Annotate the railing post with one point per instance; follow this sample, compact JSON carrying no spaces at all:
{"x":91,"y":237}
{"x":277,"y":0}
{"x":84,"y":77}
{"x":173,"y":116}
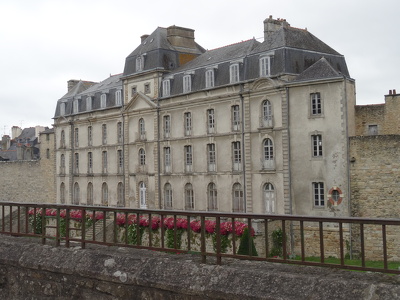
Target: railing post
{"x":11,"y":219}
{"x":67,"y":212}
{"x":250,"y":238}
{"x":321,"y":241}
{"x":83,"y":233}
{"x":284,"y":239}
{"x":303,"y":258}
{"x":19,"y":219}
{"x":341,"y":243}
{"x":43,"y":225}
{"x":218,"y":235}
{"x":266,"y":241}
{"x":385,"y":262}
{"x":362,"y":245}
{"x":233,"y":236}
{"x":203,"y":240}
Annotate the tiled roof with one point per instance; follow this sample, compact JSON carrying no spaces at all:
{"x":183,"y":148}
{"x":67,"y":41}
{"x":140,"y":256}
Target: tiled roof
{"x":320,"y":70}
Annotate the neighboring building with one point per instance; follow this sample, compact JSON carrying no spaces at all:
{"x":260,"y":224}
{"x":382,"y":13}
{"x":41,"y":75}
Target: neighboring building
{"x":258,"y":127}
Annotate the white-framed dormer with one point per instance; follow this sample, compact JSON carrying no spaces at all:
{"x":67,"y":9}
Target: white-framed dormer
{"x":210,"y":76}
{"x":265,"y":64}
{"x":166,"y":86}
{"x":75,"y":106}
{"x":118,"y":97}
{"x":103,"y":100}
{"x":88,"y":103}
{"x":234,"y":74}
{"x":187,"y":81}
{"x":140,"y":62}
{"x":62,"y":108}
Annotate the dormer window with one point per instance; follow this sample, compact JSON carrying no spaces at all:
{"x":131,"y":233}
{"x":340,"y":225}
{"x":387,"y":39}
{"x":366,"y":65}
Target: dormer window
{"x":139,"y":63}
{"x":89,"y":103}
{"x":75,"y":106}
{"x":234,"y":73}
{"x":103,"y":101}
{"x":62,"y":109}
{"x":265,"y":66}
{"x":210,"y":78}
{"x":118,"y":98}
{"x":187,"y":83}
{"x":166,"y":85}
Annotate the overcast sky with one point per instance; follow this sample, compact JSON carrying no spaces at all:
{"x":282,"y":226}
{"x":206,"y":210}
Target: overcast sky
{"x":44,"y":43}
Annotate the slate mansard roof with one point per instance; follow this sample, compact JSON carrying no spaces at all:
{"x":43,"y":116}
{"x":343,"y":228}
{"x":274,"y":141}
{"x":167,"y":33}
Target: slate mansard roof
{"x":83,"y":90}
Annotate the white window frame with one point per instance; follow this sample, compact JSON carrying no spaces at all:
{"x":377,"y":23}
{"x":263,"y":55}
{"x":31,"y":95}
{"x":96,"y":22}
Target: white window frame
{"x":62,"y":164}
{"x":142,"y":129}
{"x":269,"y":197}
{"x":62,"y":193}
{"x":76,"y":137}
{"x":120,"y":158}
{"x":235,"y":117}
{"x":265,"y":66}
{"x":103,"y":101}
{"x":238,"y":198}
{"x":76,"y":163}
{"x":187,"y":123}
{"x":316,"y":140}
{"x":318,"y":192}
{"x":76,"y":195}
{"x":142,"y":195}
{"x":189,"y":197}
{"x":209,"y":78}
{"x":210,"y":121}
{"x":89,"y":194}
{"x":104,"y":162}
{"x":142,"y":157}
{"x":90,"y":135}
{"x":236,"y":156}
{"x":104,"y":194}
{"x":62,"y":108}
{"x":234,"y":73}
{"x":167,"y":126}
{"x":75,"y":106}
{"x":119,"y":132}
{"x":89,"y":103}
{"x":62,"y":139}
{"x":168,"y":196}
{"x":139,"y":63}
{"x":120,"y":194}
{"x":188,"y":158}
{"x":90,"y":162}
{"x":212,"y":199}
{"x":187,"y":83}
{"x":211,"y":157}
{"x":166,"y":88}
{"x":315,"y":104}
{"x":118,"y":98}
{"x":167,"y":159}
{"x":266,"y":114}
{"x":104,"y":134}
{"x":268,"y":154}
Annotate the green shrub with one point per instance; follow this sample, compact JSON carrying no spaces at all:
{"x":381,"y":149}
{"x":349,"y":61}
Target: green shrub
{"x":244,"y":244}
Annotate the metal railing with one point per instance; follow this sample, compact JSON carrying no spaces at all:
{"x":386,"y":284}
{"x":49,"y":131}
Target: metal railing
{"x":347,"y":243}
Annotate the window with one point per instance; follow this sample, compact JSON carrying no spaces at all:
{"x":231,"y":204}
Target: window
{"x":120,"y":194}
{"x":90,"y":162}
{"x":62,"y":193}
{"x":76,"y":137}
{"x":62,"y":139}
{"x":372,"y":129}
{"x":234,"y":73}
{"x":235,"y":118}
{"x":76,"y":196}
{"x":118,"y":98}
{"x":104,"y":194}
{"x":139,"y":63}
{"x":266,"y":114}
{"x":142,"y":195}
{"x":211,"y":157}
{"x":209,"y":78}
{"x":317,"y":145}
{"x":119,"y":132}
{"x":265,"y":66}
{"x":142,"y":157}
{"x":142,"y":129}
{"x":120,"y":161}
{"x":89,"y":199}
{"x":167,"y":159}
{"x":134,"y":90}
{"x":212,"y":196}
{"x":238,"y":201}
{"x":47,"y":137}
{"x":316,"y":105}
{"x":187,"y":83}
{"x":75,"y":106}
{"x":103,"y":101}
{"x":48,"y":153}
{"x":104,"y":134}
{"x":62,"y":109}
{"x":189,"y":200}
{"x":167,"y":126}
{"x":188,"y":123}
{"x":167,"y":196}
{"x":89,"y":103}
{"x":268,"y":149}
{"x":90,"y":135}
{"x":210,"y":121}
{"x":269,"y":198}
{"x":62,"y":164}
{"x":188,"y":158}
{"x":166,"y":84}
{"x":318,"y":193}
{"x":76,"y":165}
{"x":237,"y":156}
{"x":104,"y":162}
{"x":147,"y":88}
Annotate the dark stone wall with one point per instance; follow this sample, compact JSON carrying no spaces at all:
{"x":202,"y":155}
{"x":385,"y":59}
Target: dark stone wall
{"x":29,"y":270}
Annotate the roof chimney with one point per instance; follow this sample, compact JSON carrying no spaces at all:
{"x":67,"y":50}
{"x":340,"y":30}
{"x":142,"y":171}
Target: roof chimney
{"x":143,"y":37}
{"x":390,"y":92}
{"x":181,"y":37}
{"x":72,"y":83}
{"x":394,"y":92}
{"x":271,"y":25}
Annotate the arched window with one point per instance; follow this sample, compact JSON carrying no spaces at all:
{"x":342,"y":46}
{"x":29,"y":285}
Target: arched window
{"x":266,"y":114}
{"x":142,"y":157}
{"x":142,"y":195}
{"x":167,"y":195}
{"x":142,"y":129}
{"x":62,"y":193}
{"x":76,"y":198}
{"x":89,"y":199}
{"x":238,"y":201}
{"x":269,"y":198}
{"x":62,"y":139}
{"x":268,"y":151}
{"x":212,"y":196}
{"x":189,"y":199}
{"x":120,"y":191}
{"x":62,"y":164}
{"x":104,"y":194}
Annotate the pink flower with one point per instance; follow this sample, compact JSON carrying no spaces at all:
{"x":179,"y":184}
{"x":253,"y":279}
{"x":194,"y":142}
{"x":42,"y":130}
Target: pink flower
{"x":195,"y":225}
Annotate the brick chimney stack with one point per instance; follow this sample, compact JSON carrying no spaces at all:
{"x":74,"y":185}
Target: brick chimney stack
{"x":181,"y":37}
{"x":72,"y":83}
{"x":271,"y":25}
